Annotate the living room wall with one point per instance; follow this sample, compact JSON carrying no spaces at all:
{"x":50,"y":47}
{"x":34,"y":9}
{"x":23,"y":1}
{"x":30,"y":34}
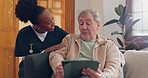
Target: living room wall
{"x":109,"y":13}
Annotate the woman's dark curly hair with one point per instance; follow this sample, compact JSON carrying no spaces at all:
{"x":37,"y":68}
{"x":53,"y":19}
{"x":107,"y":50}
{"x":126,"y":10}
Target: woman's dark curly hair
{"x":27,"y":10}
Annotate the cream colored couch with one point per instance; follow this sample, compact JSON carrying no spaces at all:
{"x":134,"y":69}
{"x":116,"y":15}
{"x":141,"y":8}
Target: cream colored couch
{"x":136,"y":64}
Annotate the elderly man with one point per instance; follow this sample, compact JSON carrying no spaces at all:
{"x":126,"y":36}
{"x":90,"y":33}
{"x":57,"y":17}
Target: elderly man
{"x":88,"y":45}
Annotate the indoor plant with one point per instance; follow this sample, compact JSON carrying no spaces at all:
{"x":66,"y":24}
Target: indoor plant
{"x":125,"y":22}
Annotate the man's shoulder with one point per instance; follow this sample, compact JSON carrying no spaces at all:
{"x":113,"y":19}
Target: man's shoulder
{"x":74,"y":35}
{"x":107,"y":41}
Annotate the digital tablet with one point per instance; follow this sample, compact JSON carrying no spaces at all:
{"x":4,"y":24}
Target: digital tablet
{"x":73,"y":68}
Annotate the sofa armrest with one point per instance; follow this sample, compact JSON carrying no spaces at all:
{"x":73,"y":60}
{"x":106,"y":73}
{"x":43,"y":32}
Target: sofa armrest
{"x":37,"y":66}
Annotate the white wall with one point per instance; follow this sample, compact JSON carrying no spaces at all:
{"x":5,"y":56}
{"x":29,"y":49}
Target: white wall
{"x":109,"y":13}
{"x":88,"y":4}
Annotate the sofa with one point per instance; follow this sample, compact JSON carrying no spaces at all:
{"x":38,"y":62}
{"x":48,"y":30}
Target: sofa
{"x":37,"y":66}
{"x":136,"y":62}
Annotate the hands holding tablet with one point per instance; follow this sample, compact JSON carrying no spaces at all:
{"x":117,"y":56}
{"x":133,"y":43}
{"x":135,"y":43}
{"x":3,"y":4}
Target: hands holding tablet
{"x":92,"y":74}
{"x":86,"y":71}
{"x":59,"y":70}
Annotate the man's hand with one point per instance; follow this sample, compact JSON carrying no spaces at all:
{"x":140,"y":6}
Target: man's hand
{"x":91,"y":73}
{"x":59,"y":70}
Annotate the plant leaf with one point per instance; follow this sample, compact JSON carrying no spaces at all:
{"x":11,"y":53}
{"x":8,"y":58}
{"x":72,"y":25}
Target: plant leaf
{"x":128,"y":29}
{"x":124,"y":10}
{"x":120,"y":25}
{"x":132,"y":43}
{"x":115,"y":33}
{"x":111,"y":22}
{"x":129,"y":25}
{"x":134,"y":39}
{"x":127,"y":18}
{"x":131,"y":46}
{"x":143,"y":46}
{"x":116,"y":10}
{"x":126,"y":25}
{"x":120,"y":9}
{"x":124,"y":18}
{"x":127,"y":34}
{"x":120,"y":42}
{"x":132,"y":23}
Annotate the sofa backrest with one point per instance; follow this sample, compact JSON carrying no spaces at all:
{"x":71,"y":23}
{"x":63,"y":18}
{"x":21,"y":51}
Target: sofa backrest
{"x":136,"y":64}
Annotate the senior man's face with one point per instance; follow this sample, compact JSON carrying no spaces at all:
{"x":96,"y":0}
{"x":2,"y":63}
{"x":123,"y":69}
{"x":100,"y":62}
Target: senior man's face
{"x":88,"y":27}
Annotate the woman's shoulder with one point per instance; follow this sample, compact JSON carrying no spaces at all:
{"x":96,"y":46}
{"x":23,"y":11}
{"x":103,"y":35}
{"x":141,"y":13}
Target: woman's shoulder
{"x":57,"y":27}
{"x":26,"y":28}
{"x":59,"y":30}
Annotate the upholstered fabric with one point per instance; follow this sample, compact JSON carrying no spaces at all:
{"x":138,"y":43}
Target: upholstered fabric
{"x":136,"y":64}
{"x":37,"y":66}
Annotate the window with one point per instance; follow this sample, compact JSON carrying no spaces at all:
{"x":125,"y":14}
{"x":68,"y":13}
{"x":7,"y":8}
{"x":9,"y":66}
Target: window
{"x":139,"y":10}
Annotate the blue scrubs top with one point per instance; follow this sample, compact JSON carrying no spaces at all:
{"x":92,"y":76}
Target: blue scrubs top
{"x":27,"y":37}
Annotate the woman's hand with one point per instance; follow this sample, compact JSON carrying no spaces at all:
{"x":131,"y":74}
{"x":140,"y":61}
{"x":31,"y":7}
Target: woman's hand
{"x":91,"y":73}
{"x":59,"y":70}
{"x":55,"y":47}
